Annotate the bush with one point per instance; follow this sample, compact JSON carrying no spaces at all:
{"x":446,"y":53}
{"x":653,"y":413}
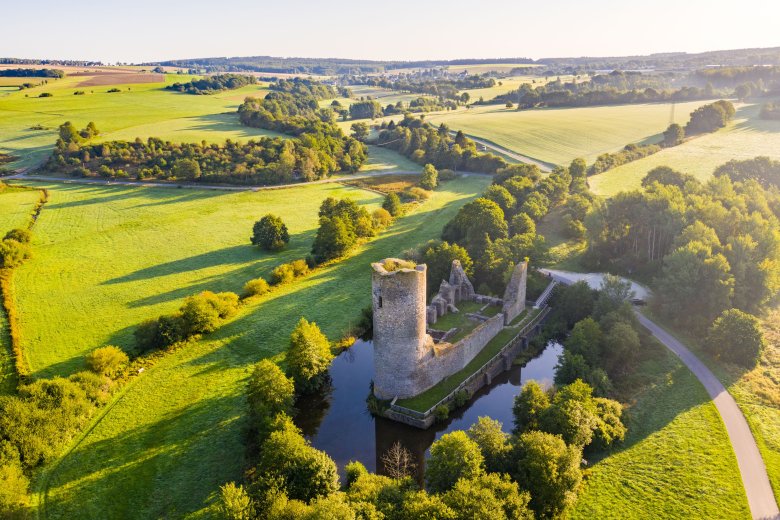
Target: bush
{"x":392,"y":204}
{"x":430,"y":177}
{"x":13,"y":253}
{"x":334,"y":239}
{"x":23,"y":236}
{"x":45,"y":94}
{"x":107,"y":361}
{"x":446,"y":175}
{"x":270,"y":393}
{"x":235,"y":503}
{"x":270,"y":233}
{"x":381,"y":218}
{"x":441,"y":413}
{"x":453,"y":456}
{"x":416,"y":194}
{"x":299,"y":267}
{"x":256,"y":287}
{"x":736,"y":336}
{"x":308,"y":356}
{"x":282,"y":274}
{"x":460,"y":398}
{"x":112,"y":90}
{"x":203,"y":313}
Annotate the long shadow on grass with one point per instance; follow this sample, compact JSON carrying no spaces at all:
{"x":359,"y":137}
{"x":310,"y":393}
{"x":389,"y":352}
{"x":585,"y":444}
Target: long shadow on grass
{"x":171,"y":466}
{"x":103,"y":194}
{"x":226,"y":256}
{"x":146,"y":472}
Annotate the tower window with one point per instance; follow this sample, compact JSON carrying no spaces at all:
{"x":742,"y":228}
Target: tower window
{"x":379,"y":303}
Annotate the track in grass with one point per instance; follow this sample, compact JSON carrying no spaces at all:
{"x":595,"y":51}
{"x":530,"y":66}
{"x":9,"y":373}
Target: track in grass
{"x":181,"y":422}
{"x":561,"y":134}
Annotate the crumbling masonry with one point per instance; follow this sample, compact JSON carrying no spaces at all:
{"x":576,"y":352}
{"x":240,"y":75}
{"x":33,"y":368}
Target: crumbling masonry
{"x":407,"y":359}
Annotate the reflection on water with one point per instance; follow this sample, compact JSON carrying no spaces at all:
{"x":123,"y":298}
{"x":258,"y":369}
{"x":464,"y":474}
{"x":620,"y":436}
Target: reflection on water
{"x":338,"y":422}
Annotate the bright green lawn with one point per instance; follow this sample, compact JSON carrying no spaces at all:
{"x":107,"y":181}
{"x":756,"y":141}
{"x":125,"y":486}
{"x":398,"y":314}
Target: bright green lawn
{"x":125,"y":115}
{"x":176,"y":434}
{"x":106,"y":258}
{"x":558,"y":135}
{"x":746,"y":137}
{"x":677,"y":461}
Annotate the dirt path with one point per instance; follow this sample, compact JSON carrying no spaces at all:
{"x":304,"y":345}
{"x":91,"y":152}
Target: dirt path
{"x":759,"y":493}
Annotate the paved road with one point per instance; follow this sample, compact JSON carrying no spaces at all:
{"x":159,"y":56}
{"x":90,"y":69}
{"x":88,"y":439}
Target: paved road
{"x":751,"y":466}
{"x":545,"y":167}
{"x":113,"y":182}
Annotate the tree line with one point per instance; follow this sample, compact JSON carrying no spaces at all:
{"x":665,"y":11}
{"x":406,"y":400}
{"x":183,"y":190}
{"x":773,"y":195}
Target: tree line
{"x":32,"y":73}
{"x":213,"y":84}
{"x":709,"y":246}
{"x":309,"y":88}
{"x":426,"y":144}
{"x":444,"y":87}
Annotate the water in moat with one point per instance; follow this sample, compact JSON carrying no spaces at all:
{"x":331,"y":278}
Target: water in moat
{"x":338,"y":422}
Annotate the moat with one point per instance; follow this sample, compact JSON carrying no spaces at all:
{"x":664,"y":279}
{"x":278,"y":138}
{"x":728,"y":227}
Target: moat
{"x":339,"y":423}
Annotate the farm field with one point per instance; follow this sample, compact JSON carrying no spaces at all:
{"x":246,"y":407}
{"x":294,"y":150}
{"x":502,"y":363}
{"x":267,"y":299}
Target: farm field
{"x":384,"y":96}
{"x":747,"y":136}
{"x":182,"y":421}
{"x":106,"y":258}
{"x":559,"y":135}
{"x":512,"y":83}
{"x":143,"y":105}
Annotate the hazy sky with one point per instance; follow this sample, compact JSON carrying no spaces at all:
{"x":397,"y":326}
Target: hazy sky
{"x":152,"y":30}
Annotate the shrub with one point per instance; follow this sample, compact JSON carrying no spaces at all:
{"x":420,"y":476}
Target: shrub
{"x":416,"y":194}
{"x":256,"y":287}
{"x":460,"y":398}
{"x":441,"y":413}
{"x":270,"y":393}
{"x":270,"y":233}
{"x":430,"y":177}
{"x":107,"y":361}
{"x":235,"y":503}
{"x":446,"y":175}
{"x":45,"y":94}
{"x":22,"y":236}
{"x":453,"y":456}
{"x":308,"y":356}
{"x":334,"y":239}
{"x":203,"y":312}
{"x":112,"y":90}
{"x":736,"y":336}
{"x":381,"y":218}
{"x":282,"y":274}
{"x":299,"y":267}
{"x":392,"y":204}
{"x":13,"y":253}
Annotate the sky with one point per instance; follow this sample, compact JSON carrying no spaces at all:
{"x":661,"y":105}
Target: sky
{"x":144,"y":30}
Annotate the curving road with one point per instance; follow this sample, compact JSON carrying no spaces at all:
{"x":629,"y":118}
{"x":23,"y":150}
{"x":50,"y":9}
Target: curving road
{"x":545,"y":167}
{"x":761,"y":499}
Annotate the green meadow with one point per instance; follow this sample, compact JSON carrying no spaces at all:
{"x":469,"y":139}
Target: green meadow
{"x":140,"y":110}
{"x":676,"y":461}
{"x":558,"y":135}
{"x":106,"y":258}
{"x":175,"y":433}
{"x":746,"y":137}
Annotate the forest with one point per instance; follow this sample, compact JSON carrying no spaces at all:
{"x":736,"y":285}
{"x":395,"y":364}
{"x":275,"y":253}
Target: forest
{"x":213,"y":84}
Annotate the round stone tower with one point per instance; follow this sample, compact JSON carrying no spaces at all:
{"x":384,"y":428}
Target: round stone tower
{"x":400,"y":338}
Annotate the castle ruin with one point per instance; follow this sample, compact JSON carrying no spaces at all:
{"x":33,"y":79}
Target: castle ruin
{"x":410,"y":354}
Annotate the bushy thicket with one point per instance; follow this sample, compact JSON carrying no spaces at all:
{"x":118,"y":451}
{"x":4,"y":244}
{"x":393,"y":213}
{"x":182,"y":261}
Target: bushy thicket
{"x":213,"y":84}
{"x":309,"y":88}
{"x":342,"y":223}
{"x":710,"y":246}
{"x":710,"y":117}
{"x":443,"y":87}
{"x":32,"y":73}
{"x":426,"y":144}
{"x":199,"y":314}
{"x":270,"y":233}
{"x":618,"y":87}
{"x":762,"y":169}
{"x":631,"y":152}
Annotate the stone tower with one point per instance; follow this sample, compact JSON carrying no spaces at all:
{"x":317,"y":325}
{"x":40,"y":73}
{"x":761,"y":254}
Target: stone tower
{"x":400,"y":338}
{"x":514,"y":296}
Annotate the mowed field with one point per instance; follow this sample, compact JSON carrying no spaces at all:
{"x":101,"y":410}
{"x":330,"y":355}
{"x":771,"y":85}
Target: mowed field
{"x":747,"y":136}
{"x":139,"y":110}
{"x":106,"y":258}
{"x":558,"y":135}
{"x":175,"y":434}
{"x":513,"y":83}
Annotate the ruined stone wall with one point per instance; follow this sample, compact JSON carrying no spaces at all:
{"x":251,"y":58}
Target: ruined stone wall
{"x":454,"y":358}
{"x":514,"y":296}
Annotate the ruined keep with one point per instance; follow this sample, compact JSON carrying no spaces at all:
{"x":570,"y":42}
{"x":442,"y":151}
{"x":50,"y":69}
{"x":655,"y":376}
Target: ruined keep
{"x":410,"y":356}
